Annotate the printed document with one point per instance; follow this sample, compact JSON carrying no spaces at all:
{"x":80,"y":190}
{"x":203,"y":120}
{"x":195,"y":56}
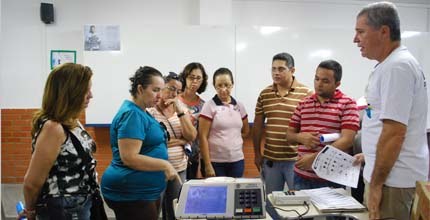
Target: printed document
{"x":336,"y":166}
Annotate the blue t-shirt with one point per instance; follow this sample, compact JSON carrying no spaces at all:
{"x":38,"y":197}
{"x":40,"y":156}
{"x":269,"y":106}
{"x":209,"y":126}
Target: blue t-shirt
{"x":121,"y":183}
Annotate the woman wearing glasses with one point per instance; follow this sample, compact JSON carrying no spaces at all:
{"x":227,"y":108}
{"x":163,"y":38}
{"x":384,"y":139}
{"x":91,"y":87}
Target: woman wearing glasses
{"x":195,"y":81}
{"x":170,"y":112}
{"x":133,"y":182}
{"x":223,"y":124}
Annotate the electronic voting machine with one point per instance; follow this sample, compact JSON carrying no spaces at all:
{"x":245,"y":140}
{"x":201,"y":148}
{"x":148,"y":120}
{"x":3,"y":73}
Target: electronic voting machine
{"x":221,"y":197}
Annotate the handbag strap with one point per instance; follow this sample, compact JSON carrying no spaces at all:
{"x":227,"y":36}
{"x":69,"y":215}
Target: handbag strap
{"x":78,"y":146}
{"x":81,"y":152}
{"x":167,"y":119}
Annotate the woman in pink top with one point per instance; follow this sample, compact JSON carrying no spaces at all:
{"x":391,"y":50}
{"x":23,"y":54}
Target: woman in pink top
{"x":223,"y":123}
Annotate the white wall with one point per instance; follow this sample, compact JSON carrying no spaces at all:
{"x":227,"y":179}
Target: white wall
{"x":321,"y":13}
{"x":26,"y":41}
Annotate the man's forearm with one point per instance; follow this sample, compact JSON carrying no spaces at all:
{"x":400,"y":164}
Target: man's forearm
{"x":388,"y":149}
{"x":293,"y":137}
{"x":344,"y":143}
{"x":256,"y":134}
{"x":257,"y":140}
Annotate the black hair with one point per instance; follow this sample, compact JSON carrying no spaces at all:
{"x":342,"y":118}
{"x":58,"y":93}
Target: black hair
{"x":187,"y":71}
{"x":222,"y":71}
{"x":143,"y":76}
{"x":285,"y":57}
{"x":332,"y":65}
{"x":172,"y":76}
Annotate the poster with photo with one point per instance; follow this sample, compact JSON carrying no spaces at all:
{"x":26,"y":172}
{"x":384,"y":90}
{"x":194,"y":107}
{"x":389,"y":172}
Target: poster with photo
{"x":62,"y":56}
{"x":101,"y":38}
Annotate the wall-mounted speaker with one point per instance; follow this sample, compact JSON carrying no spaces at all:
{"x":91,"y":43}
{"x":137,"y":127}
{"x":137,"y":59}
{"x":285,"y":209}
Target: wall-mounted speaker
{"x":47,"y":13}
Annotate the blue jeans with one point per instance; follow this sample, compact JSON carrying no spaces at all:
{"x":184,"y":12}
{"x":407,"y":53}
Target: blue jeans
{"x":302,"y":183}
{"x":66,"y":208}
{"x":276,"y":174}
{"x":233,"y":169}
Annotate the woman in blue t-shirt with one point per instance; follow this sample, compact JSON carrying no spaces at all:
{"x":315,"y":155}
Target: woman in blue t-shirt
{"x":133,"y":182}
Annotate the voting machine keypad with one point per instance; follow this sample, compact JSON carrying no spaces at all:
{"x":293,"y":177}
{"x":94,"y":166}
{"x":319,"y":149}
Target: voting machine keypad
{"x":248,"y":203}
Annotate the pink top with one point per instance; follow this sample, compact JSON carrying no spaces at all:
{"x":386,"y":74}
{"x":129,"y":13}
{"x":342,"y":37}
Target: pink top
{"x":225,"y":135}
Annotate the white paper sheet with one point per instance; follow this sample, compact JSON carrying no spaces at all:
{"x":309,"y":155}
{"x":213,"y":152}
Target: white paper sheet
{"x":336,"y":166}
{"x":327,"y":199}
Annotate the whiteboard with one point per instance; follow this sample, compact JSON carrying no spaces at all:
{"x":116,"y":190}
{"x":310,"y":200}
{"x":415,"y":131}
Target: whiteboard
{"x":257,"y":45}
{"x":167,"y":48}
{"x":246,"y":50}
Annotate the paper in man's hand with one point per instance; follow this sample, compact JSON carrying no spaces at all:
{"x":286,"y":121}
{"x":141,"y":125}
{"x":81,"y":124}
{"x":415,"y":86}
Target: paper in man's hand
{"x":336,"y":166}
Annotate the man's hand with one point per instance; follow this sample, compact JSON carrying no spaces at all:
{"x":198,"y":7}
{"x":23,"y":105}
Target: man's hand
{"x":258,"y":161}
{"x":359,"y":159}
{"x":305,"y":162}
{"x":374,"y":201}
{"x":309,"y":139}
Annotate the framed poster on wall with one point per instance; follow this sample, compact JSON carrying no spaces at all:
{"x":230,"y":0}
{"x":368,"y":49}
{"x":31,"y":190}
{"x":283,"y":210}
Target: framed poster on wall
{"x":62,"y":56}
{"x":102,"y":38}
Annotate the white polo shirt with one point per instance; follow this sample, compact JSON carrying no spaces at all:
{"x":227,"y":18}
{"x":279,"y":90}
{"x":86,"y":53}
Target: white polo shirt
{"x":397,"y":91}
{"x":225,"y":134}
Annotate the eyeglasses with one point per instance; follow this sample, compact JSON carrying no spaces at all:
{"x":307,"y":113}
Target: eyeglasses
{"x":280,"y":69}
{"x":192,"y":78}
{"x":173,"y":89}
{"x":166,"y":132}
{"x":221,"y":87}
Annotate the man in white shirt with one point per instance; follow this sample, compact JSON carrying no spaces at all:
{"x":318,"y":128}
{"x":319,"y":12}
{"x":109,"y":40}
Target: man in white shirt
{"x":394,"y":128}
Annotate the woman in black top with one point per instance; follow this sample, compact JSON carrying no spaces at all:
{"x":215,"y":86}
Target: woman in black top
{"x":59,"y":182}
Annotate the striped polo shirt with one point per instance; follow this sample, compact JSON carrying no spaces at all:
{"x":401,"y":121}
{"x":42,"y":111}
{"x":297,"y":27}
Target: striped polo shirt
{"x":340,"y":112}
{"x":278,"y":110}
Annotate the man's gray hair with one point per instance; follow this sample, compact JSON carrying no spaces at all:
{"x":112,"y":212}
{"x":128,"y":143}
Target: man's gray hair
{"x":383,"y":13}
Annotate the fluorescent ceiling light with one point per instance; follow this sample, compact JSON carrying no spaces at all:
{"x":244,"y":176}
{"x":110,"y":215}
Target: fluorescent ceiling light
{"x":268,"y":30}
{"x":241,"y":46}
{"x":324,"y":54}
{"x":409,"y":34}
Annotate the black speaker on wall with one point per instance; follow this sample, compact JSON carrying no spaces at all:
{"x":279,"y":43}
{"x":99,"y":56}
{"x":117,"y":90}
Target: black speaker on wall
{"x":47,"y":13}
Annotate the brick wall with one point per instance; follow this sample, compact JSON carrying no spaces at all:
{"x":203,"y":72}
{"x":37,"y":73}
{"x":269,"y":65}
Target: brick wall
{"x":16,"y":146}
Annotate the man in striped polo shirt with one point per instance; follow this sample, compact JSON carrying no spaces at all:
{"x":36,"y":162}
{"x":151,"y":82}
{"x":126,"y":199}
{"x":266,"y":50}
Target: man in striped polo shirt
{"x":276,"y":103}
{"x":327,"y":111}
